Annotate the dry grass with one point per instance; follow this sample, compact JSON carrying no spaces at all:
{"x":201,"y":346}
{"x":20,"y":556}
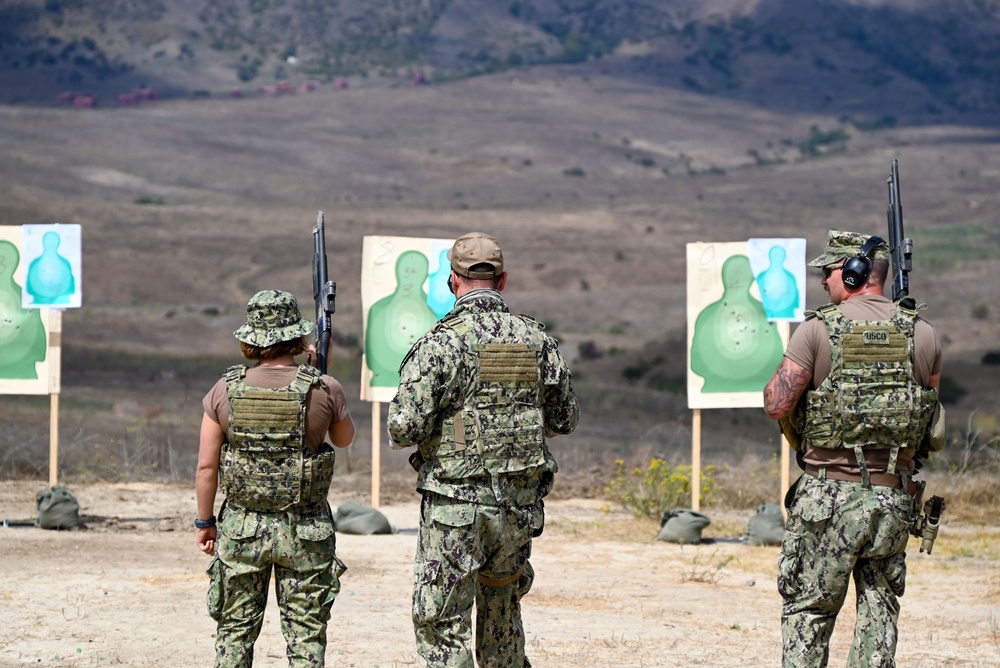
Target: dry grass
{"x":972,"y":497}
{"x":707,"y":569}
{"x":600,"y":257}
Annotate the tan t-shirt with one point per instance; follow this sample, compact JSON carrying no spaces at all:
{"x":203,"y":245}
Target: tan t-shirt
{"x":323,"y":410}
{"x":810,"y":348}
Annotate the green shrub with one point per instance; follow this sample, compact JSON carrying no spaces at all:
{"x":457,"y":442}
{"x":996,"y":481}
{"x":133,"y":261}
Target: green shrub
{"x":822,"y":140}
{"x":660,"y":487}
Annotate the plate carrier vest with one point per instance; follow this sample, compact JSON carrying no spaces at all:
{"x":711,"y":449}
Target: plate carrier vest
{"x":870,"y":400}
{"x":266,"y":465}
{"x":500,"y":428}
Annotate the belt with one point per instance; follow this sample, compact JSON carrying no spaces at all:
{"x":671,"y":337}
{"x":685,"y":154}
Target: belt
{"x":879,"y":479}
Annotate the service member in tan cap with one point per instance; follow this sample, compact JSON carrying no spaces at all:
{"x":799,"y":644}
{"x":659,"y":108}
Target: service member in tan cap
{"x":265,"y":430}
{"x":856,"y":389}
{"x":478,"y":396}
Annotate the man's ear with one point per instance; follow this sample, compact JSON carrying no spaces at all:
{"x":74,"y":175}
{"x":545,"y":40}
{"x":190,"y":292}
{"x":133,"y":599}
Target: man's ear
{"x":503,"y":282}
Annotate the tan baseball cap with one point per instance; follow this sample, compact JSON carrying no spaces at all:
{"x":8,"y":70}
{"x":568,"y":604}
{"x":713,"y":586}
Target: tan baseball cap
{"x":476,"y":248}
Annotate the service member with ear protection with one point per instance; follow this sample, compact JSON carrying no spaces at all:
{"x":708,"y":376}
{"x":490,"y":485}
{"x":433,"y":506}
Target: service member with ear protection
{"x":857,"y":387}
{"x":857,"y":269}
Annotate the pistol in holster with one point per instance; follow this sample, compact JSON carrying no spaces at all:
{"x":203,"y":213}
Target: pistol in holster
{"x":926,"y":519}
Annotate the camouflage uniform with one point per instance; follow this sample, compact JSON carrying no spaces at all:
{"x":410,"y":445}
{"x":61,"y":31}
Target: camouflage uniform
{"x":843,"y":525}
{"x":478,"y":395}
{"x":836,"y":529}
{"x":276,"y":517}
{"x":300,"y":547}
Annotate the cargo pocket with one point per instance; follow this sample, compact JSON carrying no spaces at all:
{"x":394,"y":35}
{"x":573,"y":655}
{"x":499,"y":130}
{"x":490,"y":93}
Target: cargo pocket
{"x":216,"y":589}
{"x":429,"y":594}
{"x":813,"y":506}
{"x":457,"y":544}
{"x":895,"y":573}
{"x":452,"y":515}
{"x":790,"y":566}
{"x":239,"y":523}
{"x":316,"y":543}
{"x":315,"y":529}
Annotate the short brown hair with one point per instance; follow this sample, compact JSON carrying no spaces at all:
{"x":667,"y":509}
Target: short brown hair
{"x":260,"y":354}
{"x":879,"y":272}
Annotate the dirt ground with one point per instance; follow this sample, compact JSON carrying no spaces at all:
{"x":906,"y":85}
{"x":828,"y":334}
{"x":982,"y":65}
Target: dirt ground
{"x":130,"y":591}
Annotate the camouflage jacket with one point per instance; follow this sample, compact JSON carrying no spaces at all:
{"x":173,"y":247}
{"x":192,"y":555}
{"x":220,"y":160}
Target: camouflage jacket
{"x":482,"y":432}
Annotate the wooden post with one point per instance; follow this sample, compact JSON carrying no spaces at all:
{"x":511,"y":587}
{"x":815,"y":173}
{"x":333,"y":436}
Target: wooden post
{"x":53,"y":439}
{"x":376,"y":451}
{"x":696,"y":459}
{"x":55,"y":378}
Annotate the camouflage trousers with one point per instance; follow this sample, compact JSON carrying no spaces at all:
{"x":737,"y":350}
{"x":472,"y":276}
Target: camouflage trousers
{"x":470,"y":554}
{"x":836,"y":531}
{"x":300,"y":549}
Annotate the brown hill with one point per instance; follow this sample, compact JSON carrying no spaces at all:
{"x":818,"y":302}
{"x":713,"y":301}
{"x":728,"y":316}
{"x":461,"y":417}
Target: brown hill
{"x":884,"y":61}
{"x":594,"y":186}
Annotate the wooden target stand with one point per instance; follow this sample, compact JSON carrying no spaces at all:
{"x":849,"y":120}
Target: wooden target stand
{"x":696,"y":462}
{"x":55,"y":365}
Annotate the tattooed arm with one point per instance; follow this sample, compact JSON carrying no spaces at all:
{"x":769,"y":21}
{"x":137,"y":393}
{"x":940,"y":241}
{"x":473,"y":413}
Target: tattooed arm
{"x":784,"y":389}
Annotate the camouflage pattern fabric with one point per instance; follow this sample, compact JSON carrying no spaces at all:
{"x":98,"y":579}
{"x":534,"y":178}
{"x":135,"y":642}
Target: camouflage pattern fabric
{"x":442,"y":371}
{"x":870,"y":399}
{"x":836,"y":531}
{"x":300,"y":549}
{"x":266,"y":465}
{"x":841,"y":245}
{"x":273,"y":316}
{"x":482,"y":482}
{"x":472,"y":554}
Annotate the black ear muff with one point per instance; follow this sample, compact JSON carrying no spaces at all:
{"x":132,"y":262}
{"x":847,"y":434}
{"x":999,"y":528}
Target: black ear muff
{"x":856,"y":269}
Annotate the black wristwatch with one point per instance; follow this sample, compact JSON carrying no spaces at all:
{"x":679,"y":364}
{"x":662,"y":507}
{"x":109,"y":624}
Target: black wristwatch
{"x":204,"y":524}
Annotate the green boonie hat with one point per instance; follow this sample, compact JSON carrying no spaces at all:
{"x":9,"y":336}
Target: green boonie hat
{"x":841,"y":245}
{"x":476,"y":248}
{"x":272,"y":317}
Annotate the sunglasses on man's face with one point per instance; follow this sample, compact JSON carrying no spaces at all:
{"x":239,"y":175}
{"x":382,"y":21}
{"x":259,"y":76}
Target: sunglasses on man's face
{"x":829,"y":269}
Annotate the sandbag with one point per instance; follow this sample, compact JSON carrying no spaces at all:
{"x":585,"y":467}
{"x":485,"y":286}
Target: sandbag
{"x":58,"y":509}
{"x":766,"y":525}
{"x":682,"y":525}
{"x":353,"y":518}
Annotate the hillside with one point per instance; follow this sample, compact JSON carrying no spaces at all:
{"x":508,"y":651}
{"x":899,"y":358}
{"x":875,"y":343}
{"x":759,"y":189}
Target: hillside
{"x":883,"y":61}
{"x":594,"y":185}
